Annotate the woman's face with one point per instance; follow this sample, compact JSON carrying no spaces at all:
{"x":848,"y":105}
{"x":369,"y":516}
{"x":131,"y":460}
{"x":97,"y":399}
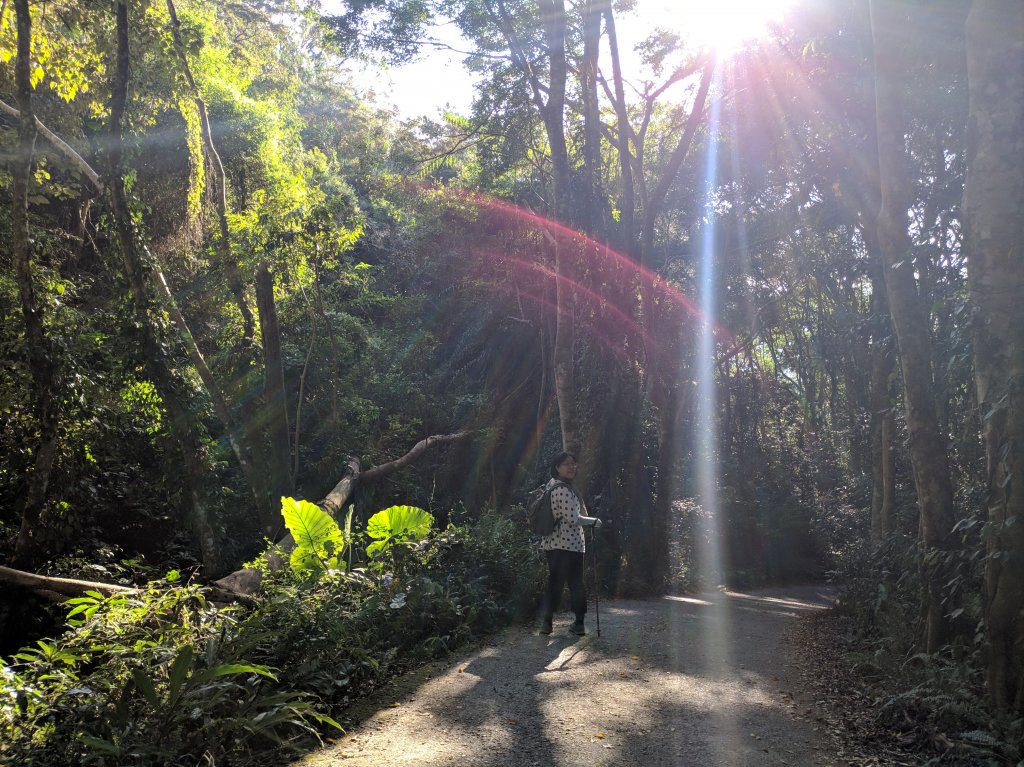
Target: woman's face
{"x":567,"y":469}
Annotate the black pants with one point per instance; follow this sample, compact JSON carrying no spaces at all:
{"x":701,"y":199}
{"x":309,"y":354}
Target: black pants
{"x":565,"y":566}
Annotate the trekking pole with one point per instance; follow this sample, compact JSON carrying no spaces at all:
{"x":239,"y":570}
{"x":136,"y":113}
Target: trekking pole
{"x":597,"y":596}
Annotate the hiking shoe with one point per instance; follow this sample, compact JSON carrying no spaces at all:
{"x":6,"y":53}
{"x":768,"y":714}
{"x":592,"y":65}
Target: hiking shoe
{"x":577,"y":629}
{"x":545,"y":627}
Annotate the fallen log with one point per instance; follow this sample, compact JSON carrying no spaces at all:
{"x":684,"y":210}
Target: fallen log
{"x":59,"y":589}
{"x":246,"y":582}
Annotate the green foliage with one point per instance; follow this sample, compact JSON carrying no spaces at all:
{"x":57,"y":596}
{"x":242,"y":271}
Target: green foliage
{"x":387,"y":28}
{"x":60,"y":60}
{"x":499,"y":566}
{"x":390,"y":295}
{"x":142,"y":404}
{"x":148,"y":679}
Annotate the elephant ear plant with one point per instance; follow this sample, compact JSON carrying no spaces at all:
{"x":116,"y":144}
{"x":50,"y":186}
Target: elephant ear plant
{"x":395,"y":531}
{"x":319,"y":542}
{"x":321,"y":545}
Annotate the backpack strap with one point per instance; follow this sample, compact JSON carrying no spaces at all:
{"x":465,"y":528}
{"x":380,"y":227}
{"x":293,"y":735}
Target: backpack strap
{"x":568,"y":487}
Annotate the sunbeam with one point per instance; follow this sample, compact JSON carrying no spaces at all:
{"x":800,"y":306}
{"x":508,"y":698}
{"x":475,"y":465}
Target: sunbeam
{"x":717,"y":631}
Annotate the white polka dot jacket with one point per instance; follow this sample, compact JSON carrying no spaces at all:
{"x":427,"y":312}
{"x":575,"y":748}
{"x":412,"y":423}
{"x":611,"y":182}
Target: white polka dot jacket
{"x":570,"y":519}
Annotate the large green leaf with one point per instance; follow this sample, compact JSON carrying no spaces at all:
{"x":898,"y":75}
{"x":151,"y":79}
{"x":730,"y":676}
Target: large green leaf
{"x":146,"y":687}
{"x":318,"y":539}
{"x":229,"y":669}
{"x":397,"y":524}
{"x":308,"y":523}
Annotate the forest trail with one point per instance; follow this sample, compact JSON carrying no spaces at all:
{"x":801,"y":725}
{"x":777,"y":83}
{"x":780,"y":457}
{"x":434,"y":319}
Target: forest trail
{"x":709,"y":680}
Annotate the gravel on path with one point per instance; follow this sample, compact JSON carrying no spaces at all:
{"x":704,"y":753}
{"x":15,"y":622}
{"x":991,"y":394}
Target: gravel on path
{"x":688,"y":680}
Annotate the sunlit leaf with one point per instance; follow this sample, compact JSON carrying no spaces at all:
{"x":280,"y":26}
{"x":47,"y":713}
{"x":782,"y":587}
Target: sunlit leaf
{"x":397,"y":523}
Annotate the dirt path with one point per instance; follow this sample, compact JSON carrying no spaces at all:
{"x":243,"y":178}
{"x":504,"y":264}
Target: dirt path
{"x":673,"y":681}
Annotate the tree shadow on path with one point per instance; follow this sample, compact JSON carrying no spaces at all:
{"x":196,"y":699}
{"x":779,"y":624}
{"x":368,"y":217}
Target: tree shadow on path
{"x":694,"y":680}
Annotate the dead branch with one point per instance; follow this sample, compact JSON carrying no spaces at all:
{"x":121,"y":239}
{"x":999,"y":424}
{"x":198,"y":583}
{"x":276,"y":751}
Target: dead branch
{"x":371,"y":475}
{"x":59,"y":589}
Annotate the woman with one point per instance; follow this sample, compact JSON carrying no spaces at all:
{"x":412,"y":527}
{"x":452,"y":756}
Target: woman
{"x":565,"y":546}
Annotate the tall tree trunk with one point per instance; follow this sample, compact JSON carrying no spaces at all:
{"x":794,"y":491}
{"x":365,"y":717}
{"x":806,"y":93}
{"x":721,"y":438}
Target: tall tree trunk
{"x":624,"y":134}
{"x":910,"y":314}
{"x":656,"y":199}
{"x":883,"y":473}
{"x":883,"y":362}
{"x":666,"y":486}
{"x":653,"y":205}
{"x":994,"y":246}
{"x":553,"y":17}
{"x":220,"y":191}
{"x":275,"y":404}
{"x":142,"y":272}
{"x":866,"y":202}
{"x":642,"y":571}
{"x":647,"y":552}
{"x":31,"y":538}
{"x":549,"y":100}
{"x":563,"y":352}
{"x":669,"y":391}
{"x":266,"y":475}
{"x":241,"y":444}
{"x":137,"y":272}
{"x":591,"y":212}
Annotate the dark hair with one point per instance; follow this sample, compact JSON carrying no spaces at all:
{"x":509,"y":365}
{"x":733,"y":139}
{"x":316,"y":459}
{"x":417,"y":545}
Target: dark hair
{"x":557,"y":461}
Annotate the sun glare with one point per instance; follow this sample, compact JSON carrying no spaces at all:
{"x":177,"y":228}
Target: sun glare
{"x":723,"y":26}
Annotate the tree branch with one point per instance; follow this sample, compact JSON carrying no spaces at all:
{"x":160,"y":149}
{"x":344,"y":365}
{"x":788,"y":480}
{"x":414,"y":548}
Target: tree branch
{"x":657,"y":197}
{"x":61,"y":146}
{"x":371,"y":475}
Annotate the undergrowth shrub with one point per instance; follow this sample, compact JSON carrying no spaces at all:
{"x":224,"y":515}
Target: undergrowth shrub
{"x":347,"y":632}
{"x":167,"y":678}
{"x":144,"y":680}
{"x":880,"y":591}
{"x":936,"y":702}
